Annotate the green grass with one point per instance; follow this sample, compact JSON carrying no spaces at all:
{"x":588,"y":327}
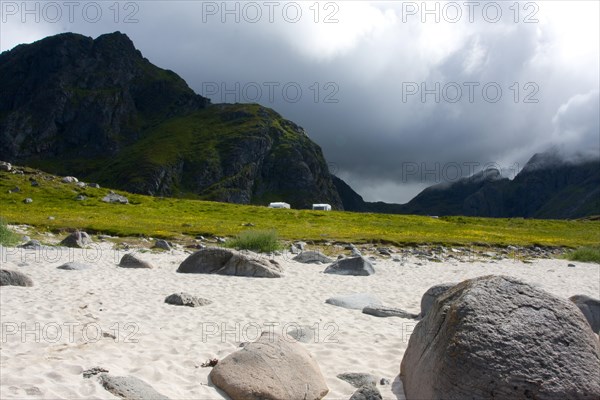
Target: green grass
{"x":7,"y":237}
{"x":173,"y":218}
{"x":264,"y":241}
{"x":585,"y":254}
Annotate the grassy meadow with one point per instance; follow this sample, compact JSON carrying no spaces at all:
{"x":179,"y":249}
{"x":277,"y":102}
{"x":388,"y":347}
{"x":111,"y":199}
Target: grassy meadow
{"x":172,"y":218}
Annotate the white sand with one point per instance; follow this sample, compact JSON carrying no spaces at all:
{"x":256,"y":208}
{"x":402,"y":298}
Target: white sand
{"x":164,"y":345}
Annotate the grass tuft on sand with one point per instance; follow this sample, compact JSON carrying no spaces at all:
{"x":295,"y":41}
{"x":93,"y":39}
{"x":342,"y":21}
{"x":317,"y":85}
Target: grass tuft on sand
{"x":264,"y":241}
{"x":7,"y":237}
{"x":585,"y":254}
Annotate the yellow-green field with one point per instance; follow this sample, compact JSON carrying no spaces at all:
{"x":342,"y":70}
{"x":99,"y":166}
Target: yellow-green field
{"x":174,"y":218}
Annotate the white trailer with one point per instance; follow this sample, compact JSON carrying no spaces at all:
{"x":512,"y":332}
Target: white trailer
{"x":321,"y":207}
{"x":279,"y":205}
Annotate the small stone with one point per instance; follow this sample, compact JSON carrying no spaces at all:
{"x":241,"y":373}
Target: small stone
{"x":35,"y":183}
{"x":74,"y":266}
{"x":80,"y":197}
{"x":4,"y":166}
{"x":358,"y":379}
{"x":31,"y":245}
{"x":16,"y":189}
{"x":367,"y":393}
{"x":28,"y":200}
{"x":162,"y":244}
{"x":77,"y":239}
{"x":571,"y":265}
{"x":113,"y":197}
{"x":384,"y":381}
{"x":81,"y":184}
{"x":94,"y":185}
{"x":69,"y":179}
{"x":51,"y":218}
{"x":184,"y":299}
{"x":131,"y":261}
{"x":93,"y":371}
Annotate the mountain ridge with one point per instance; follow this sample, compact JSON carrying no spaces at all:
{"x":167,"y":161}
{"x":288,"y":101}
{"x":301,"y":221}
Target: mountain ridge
{"x":98,"y":108}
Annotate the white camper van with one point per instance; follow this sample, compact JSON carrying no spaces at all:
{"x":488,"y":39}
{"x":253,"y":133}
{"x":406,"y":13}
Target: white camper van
{"x":321,"y":207}
{"x":279,"y":205}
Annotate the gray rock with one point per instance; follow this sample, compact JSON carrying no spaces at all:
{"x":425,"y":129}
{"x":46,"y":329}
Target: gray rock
{"x":34,"y":183}
{"x":115,"y":198}
{"x":384,"y":312}
{"x":216,"y":260}
{"x":312,"y":257}
{"x":271,"y":368}
{"x":130,"y":261}
{"x":81,"y":184}
{"x":497,"y":337}
{"x":384,"y":381}
{"x":367,"y":393}
{"x":80,"y":197}
{"x":31,"y":245}
{"x":129,"y":388}
{"x":300,"y":245}
{"x":184,"y":299}
{"x":4,"y":166}
{"x":28,"y":200}
{"x":303,"y":333}
{"x":357,"y":301}
{"x":590,"y":308}
{"x":88,"y":373}
{"x":356,"y":252}
{"x":69,"y":179}
{"x":94,"y":185}
{"x":431,"y":294}
{"x":74,"y":266}
{"x":294,"y":249}
{"x":358,"y":379}
{"x":571,"y":265}
{"x":357,"y":266}
{"x":77,"y":239}
{"x":162,"y":244}
{"x":14,"y":278}
{"x":16,"y":189}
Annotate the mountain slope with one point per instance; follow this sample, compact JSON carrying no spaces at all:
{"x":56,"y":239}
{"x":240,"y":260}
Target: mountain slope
{"x":98,"y":109}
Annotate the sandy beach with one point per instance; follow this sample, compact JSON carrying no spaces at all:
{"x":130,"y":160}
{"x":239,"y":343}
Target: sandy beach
{"x":116,"y":318}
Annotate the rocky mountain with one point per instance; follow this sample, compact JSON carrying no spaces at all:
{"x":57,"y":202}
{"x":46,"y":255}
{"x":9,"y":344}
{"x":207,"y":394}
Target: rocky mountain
{"x":70,"y":104}
{"x":547,"y":187}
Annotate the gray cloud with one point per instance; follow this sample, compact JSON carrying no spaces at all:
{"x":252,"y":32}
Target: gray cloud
{"x":376,"y":133}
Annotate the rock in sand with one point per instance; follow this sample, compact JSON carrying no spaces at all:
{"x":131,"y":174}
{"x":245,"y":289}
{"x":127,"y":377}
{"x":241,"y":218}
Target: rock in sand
{"x":271,"y":368}
{"x":216,"y":260}
{"x":14,"y":278}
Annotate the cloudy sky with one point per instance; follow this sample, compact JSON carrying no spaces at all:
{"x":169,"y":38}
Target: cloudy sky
{"x":400,"y":95}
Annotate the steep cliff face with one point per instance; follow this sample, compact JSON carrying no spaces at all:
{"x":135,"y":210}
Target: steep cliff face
{"x":98,"y":109}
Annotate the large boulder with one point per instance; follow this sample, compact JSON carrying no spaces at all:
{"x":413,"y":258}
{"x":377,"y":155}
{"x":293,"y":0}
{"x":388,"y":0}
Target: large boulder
{"x":130,"y":261}
{"x":77,"y":239}
{"x":358,"y":266}
{"x":129,"y":388}
{"x":497,"y":337}
{"x":215,"y":260}
{"x":431,"y":294}
{"x":355,"y":301}
{"x":312,"y":257}
{"x":14,"y":278}
{"x":271,"y":368}
{"x":590,"y":308}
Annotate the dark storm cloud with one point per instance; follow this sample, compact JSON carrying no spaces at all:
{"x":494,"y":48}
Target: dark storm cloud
{"x":386,"y":140}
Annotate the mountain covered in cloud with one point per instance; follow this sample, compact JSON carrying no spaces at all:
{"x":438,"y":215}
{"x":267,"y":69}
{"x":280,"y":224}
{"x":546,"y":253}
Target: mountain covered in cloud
{"x":70,"y":104}
{"x":549,"y":186}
